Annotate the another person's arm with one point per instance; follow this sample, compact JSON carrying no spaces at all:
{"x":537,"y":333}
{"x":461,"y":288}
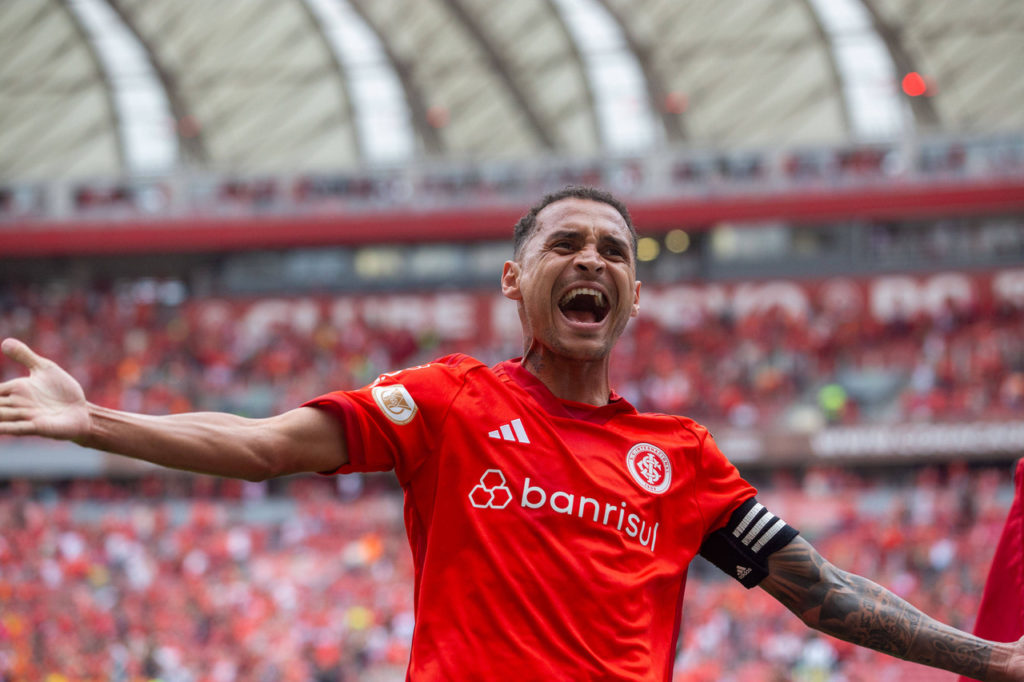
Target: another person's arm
{"x":49,"y":402}
{"x":857,"y":610}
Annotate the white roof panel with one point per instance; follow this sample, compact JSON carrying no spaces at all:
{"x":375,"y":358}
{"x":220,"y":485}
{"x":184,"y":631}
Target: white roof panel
{"x":256,"y":86}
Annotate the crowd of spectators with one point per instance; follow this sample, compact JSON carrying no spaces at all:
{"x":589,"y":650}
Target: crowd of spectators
{"x":771,"y":369}
{"x":679,"y":172}
{"x":196,"y":579}
{"x":135,"y":351}
{"x":117,"y":583}
{"x":204,"y":580}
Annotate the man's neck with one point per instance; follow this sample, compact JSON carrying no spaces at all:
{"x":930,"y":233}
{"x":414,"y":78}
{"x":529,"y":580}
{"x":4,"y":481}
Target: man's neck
{"x":580,"y":381}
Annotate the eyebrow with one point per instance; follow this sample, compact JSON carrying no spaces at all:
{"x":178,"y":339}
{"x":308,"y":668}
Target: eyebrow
{"x":576,"y":234}
{"x":563,"y":234}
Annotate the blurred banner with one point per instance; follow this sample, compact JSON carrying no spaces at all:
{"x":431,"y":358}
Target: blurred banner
{"x":484,"y":317}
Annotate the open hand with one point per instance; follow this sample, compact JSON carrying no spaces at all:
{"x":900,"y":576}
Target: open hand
{"x":48,"y":402}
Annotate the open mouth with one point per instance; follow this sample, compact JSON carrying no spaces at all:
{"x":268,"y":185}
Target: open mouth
{"x":584,"y":305}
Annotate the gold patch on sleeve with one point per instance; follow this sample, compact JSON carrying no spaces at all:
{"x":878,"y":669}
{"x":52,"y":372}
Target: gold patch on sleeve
{"x":395,"y":402}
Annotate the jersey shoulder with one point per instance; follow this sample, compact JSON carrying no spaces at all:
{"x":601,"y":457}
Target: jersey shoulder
{"x":456,"y":365}
{"x":459,"y":362}
{"x":685,"y":426}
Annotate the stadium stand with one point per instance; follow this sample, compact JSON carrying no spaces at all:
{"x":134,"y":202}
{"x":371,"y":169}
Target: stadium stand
{"x":673,"y":173}
{"x":813,"y":376}
{"x":108,"y":567}
{"x":889,"y":349}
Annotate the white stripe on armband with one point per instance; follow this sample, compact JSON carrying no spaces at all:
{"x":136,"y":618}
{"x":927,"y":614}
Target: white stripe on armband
{"x":754,"y":511}
{"x":768,"y":516}
{"x":779,"y":525}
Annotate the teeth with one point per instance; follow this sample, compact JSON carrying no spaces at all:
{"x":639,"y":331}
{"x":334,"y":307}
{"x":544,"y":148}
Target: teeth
{"x":583,"y":291}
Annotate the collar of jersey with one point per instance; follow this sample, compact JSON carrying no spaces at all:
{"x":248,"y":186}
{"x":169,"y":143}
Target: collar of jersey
{"x":555,"y":406}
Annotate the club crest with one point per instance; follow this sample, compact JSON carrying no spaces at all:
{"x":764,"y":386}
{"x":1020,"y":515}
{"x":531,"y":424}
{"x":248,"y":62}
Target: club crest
{"x":650,"y":467}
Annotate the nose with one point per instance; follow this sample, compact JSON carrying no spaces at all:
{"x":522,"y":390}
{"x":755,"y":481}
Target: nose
{"x":589,"y":260}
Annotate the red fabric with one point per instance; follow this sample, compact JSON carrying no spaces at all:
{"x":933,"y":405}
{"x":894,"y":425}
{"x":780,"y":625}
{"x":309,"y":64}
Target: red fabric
{"x":542,"y":550}
{"x":1001,"y":614}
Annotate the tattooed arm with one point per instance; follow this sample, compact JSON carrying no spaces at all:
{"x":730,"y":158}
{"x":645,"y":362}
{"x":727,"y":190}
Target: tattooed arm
{"x":857,"y":610}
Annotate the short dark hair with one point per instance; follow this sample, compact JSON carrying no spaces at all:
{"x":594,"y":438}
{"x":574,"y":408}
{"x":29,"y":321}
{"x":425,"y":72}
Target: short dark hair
{"x":524,"y":228}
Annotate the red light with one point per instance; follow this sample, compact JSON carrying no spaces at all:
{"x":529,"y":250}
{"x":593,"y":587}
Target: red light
{"x":914,"y":84}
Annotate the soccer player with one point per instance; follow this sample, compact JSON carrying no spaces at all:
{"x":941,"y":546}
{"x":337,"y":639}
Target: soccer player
{"x":551,"y":525}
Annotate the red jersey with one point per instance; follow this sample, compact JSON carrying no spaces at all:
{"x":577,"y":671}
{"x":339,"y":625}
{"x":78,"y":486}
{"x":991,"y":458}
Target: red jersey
{"x":550,"y":539}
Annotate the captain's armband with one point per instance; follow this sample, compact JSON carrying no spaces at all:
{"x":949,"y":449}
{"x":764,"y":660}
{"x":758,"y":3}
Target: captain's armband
{"x":741,"y":548}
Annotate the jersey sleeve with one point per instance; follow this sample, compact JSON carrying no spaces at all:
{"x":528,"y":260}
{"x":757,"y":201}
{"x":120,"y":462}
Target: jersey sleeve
{"x":720,"y":488}
{"x":741,"y":533}
{"x":395,"y":422}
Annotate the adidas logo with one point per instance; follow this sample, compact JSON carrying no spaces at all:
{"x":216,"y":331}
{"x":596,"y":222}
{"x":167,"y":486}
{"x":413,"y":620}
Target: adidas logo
{"x":742,"y":572}
{"x":513,"y":431}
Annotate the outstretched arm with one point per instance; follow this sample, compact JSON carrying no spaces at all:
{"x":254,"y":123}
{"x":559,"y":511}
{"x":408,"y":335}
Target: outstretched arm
{"x":49,"y":402}
{"x":857,"y":610}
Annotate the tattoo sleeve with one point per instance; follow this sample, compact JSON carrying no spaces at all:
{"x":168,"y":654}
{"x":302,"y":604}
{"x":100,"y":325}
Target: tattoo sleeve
{"x":857,"y":610}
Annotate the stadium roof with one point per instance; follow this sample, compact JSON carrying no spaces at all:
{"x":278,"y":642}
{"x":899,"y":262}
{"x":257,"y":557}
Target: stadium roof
{"x":106,"y":87}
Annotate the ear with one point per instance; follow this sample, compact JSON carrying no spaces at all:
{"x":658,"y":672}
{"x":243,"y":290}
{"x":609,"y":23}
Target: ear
{"x":510,"y":281}
{"x":635,"y":310}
